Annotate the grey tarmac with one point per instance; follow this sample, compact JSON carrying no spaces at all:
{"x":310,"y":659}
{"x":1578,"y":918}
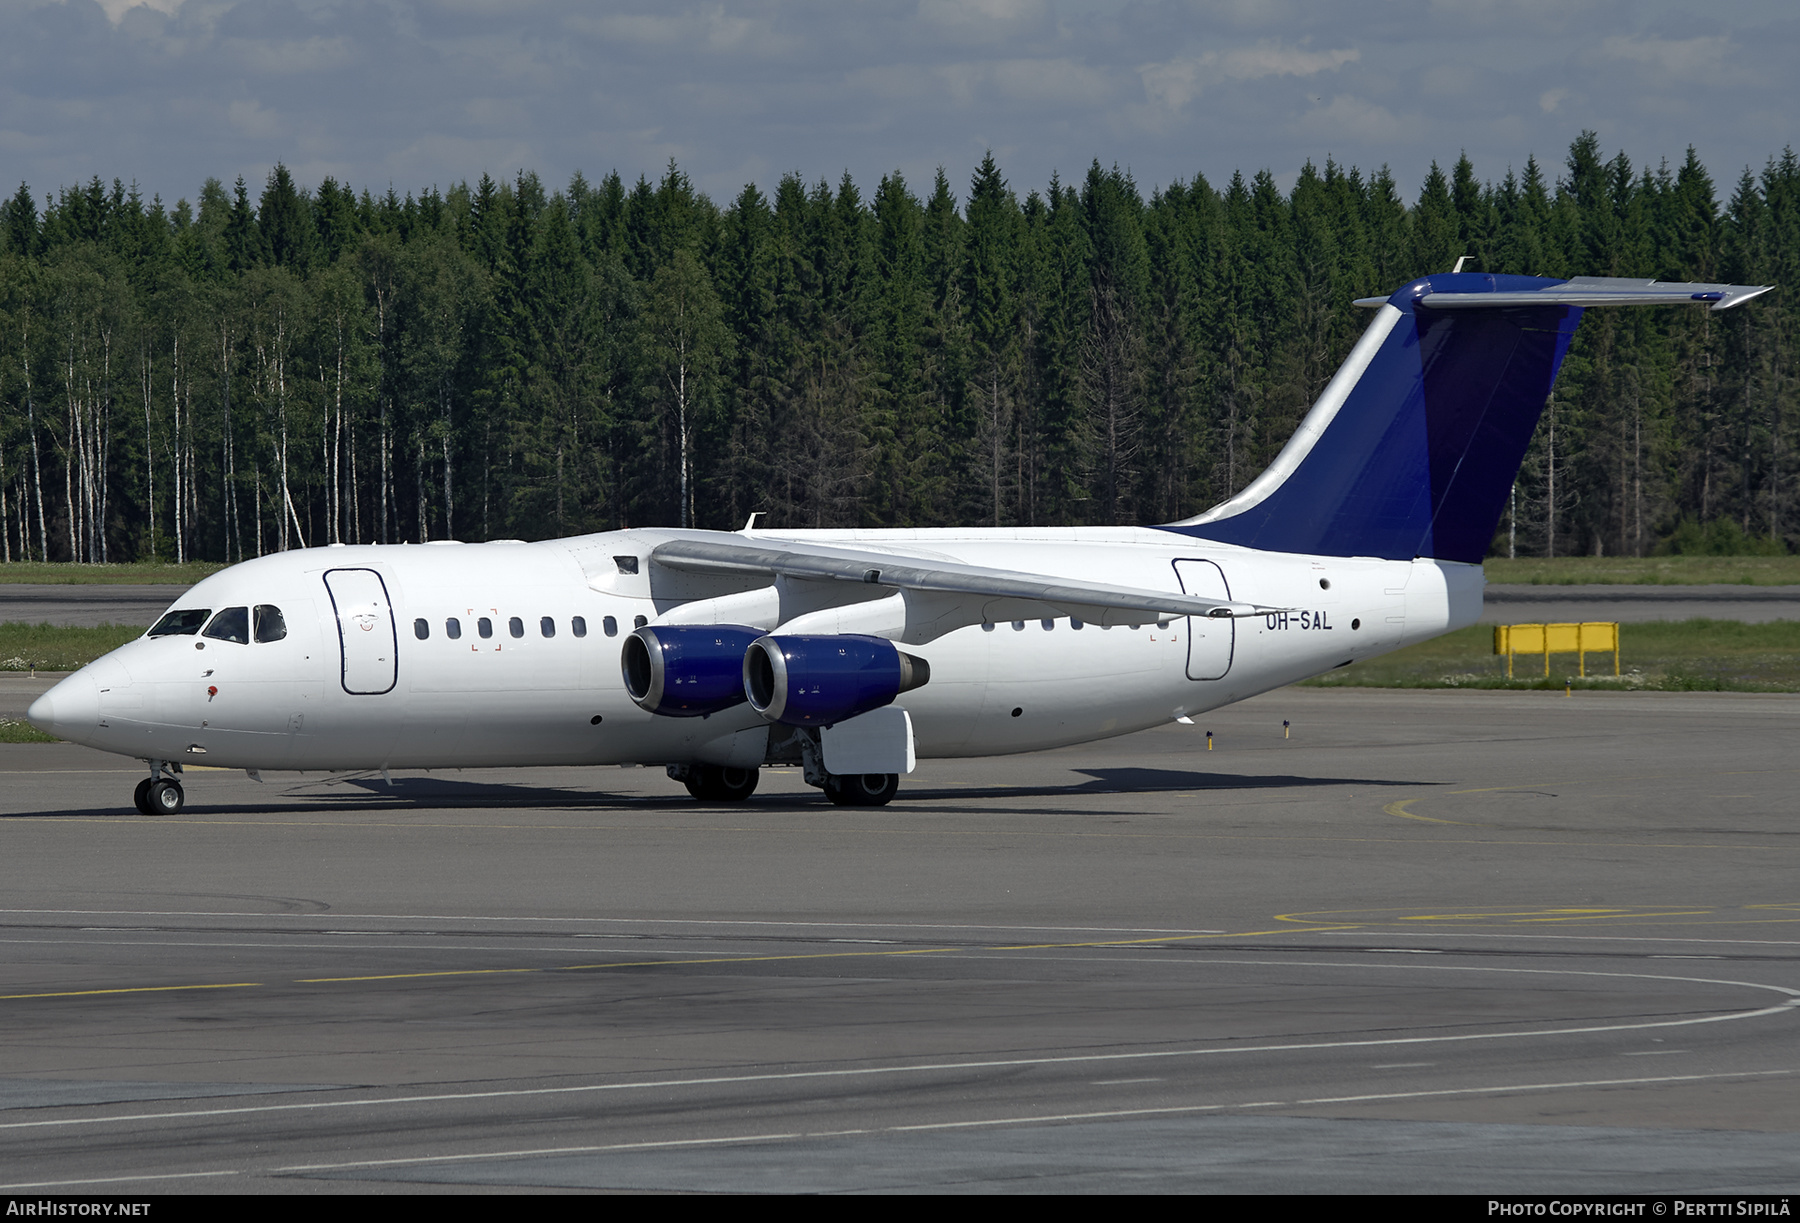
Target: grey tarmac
{"x":1433,"y":942}
{"x":1522,"y":604}
{"x":71,"y":606}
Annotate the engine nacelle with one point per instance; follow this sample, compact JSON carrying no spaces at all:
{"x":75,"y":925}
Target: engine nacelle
{"x":686,"y":670}
{"x":815,"y":681}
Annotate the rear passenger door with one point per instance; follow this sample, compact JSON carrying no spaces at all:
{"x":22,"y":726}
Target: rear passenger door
{"x":1211,"y":643}
{"x":365,"y":620}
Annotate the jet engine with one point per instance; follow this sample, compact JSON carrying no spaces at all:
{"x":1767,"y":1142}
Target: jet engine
{"x":815,"y":681}
{"x":686,"y":670}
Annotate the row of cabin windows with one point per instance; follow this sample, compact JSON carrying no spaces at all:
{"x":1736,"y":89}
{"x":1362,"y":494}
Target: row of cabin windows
{"x":1019,"y":625}
{"x":240,"y":625}
{"x":515,"y":627}
{"x":265,"y":623}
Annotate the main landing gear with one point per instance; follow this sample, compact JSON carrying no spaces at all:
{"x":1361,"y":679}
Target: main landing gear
{"x":861,"y":789}
{"x":158,"y":794}
{"x":843,"y":789}
{"x":711,"y":783}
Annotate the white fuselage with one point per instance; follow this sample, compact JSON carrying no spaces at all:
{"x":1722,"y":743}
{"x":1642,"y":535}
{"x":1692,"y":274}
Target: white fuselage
{"x":307,"y":701}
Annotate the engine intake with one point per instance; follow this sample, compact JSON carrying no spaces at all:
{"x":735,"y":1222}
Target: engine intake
{"x":816,"y":681}
{"x":686,"y":670}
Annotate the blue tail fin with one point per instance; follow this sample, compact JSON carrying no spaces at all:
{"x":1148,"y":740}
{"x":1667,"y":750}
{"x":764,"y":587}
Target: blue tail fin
{"x":1413,"y":446}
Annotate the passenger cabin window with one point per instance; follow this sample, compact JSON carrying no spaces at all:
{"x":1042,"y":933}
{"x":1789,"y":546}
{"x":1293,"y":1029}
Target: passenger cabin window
{"x":485,"y":627}
{"x":547,"y":626}
{"x":183,"y":623}
{"x":271,"y":625}
{"x":232,"y":624}
{"x":453,"y":628}
{"x":610,"y":627}
{"x":626,"y":564}
{"x":516,"y":627}
{"x":578,"y":625}
{"x":639,"y":621}
{"x":421,"y":628}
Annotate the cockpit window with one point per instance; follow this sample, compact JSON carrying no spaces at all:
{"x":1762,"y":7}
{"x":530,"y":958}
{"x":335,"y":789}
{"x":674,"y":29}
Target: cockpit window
{"x":184,"y":622}
{"x":232,"y":624}
{"x":270,"y":624}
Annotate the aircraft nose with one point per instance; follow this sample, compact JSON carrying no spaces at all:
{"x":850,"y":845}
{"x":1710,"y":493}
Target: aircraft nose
{"x":70,"y":708}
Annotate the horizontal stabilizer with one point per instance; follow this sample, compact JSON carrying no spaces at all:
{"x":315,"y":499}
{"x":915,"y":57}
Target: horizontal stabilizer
{"x":1592,"y":291}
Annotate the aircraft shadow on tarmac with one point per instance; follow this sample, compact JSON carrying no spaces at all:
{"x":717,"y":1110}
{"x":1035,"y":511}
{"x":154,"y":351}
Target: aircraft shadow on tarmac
{"x":439,"y":790}
{"x":428,"y":792}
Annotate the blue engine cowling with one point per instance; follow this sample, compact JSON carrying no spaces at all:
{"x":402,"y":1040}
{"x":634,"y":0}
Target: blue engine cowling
{"x":815,"y":681}
{"x":686,"y":670}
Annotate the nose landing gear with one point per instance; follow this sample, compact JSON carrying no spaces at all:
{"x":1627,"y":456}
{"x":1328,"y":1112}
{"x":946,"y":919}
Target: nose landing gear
{"x":158,"y":794}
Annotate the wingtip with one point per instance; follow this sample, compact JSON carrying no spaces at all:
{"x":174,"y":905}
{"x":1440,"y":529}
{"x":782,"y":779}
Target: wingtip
{"x":1739,"y":294}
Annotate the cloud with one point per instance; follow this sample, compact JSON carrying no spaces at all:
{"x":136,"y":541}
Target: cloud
{"x":1176,"y":82}
{"x":1273,"y":59}
{"x":421,"y":91}
{"x":294,"y":56}
{"x":248,"y":116}
{"x":711,"y":30}
{"x":1063,"y":81}
{"x":986,"y":20}
{"x":1054,"y":83}
{"x":1357,"y":120}
{"x":1685,"y":58}
{"x":115,"y":10}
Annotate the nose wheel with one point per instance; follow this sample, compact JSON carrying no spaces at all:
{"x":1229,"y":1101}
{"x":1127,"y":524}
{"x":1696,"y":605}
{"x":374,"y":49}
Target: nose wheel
{"x":158,"y":795}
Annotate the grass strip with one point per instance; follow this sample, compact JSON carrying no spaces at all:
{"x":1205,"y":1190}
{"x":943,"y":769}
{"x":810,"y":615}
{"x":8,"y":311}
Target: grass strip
{"x":1646,"y":570}
{"x":60,"y":574}
{"x":1660,"y":656}
{"x":49,"y":647}
{"x":16,"y":730}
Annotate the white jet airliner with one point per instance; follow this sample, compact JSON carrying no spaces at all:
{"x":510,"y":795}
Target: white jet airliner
{"x":854,"y":653}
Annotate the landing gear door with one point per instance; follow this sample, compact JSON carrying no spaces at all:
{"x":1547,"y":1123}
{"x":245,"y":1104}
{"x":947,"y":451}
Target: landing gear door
{"x":1210,"y":642}
{"x":366,"y":630}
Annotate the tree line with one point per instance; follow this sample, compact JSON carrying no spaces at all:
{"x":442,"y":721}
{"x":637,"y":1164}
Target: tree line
{"x":506,"y":361}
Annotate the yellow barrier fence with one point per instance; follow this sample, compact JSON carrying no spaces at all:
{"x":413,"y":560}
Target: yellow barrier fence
{"x":1548,"y":639}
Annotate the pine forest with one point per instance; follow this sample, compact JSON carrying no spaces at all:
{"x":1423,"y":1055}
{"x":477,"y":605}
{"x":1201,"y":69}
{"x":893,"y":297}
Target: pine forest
{"x":287,"y":367}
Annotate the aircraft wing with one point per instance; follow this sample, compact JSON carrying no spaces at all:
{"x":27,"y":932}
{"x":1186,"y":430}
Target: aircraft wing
{"x":823,"y":562}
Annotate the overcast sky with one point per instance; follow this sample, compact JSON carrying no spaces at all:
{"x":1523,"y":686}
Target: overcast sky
{"x":421,"y":92}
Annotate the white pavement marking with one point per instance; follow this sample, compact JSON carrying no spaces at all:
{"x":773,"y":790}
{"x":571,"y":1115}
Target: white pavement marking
{"x":1787,"y":1006}
{"x":985,"y":1123}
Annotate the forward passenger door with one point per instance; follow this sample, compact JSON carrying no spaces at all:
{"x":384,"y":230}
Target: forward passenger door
{"x":365,"y":619}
